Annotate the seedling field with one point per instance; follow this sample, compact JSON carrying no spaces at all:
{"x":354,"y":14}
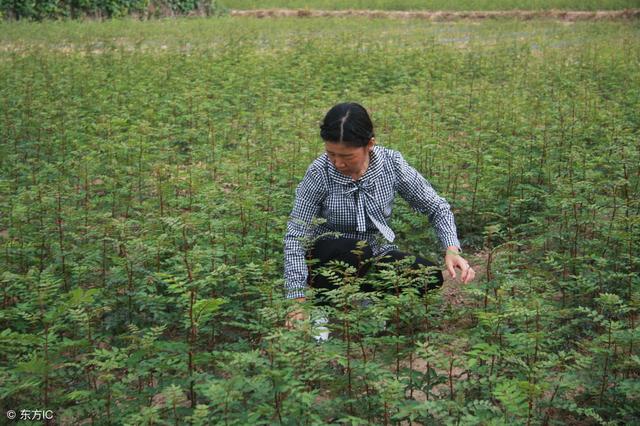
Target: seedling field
{"x":147,"y":170}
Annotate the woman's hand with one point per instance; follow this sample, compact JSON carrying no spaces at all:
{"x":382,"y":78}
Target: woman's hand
{"x":295,"y":315}
{"x":453,"y":260}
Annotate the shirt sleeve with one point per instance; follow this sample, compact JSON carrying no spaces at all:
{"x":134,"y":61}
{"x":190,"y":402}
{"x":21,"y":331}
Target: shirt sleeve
{"x":420,"y":195}
{"x":309,"y":197}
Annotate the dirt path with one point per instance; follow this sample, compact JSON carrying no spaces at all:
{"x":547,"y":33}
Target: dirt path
{"x":562,"y":15}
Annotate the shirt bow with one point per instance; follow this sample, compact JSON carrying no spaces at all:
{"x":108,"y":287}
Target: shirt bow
{"x":366,"y":206}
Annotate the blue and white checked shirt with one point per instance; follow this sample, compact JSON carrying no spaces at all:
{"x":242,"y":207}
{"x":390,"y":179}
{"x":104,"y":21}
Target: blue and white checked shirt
{"x":358,"y":209}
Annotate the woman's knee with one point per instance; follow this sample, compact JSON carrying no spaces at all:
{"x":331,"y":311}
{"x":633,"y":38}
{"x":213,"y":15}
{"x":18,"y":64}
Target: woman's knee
{"x":347,"y":250}
{"x":433,"y":279}
{"x":351,"y":251}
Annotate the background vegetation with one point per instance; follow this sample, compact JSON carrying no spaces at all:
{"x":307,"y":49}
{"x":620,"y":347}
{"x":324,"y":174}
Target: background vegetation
{"x":38,"y":10}
{"x":148,"y":168}
{"x":435,"y":4}
{"x":64,"y":9}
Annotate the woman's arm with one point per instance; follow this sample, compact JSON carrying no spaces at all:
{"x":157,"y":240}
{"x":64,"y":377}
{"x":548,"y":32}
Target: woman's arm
{"x":420,"y":195}
{"x":417,"y":191}
{"x":309,"y":196}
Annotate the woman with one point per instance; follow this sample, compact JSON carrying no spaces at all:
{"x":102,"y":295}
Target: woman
{"x":352,"y":187}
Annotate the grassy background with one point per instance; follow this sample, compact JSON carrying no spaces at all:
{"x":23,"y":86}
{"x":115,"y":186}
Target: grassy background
{"x":435,"y":4}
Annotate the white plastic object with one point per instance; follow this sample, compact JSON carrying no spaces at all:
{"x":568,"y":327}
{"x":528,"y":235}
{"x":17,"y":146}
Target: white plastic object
{"x":321,"y":332}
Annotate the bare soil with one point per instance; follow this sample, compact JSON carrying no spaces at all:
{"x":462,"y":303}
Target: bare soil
{"x":562,"y":15}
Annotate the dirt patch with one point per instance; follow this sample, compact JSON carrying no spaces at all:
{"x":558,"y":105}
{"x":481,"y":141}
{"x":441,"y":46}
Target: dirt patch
{"x":452,"y":289}
{"x":442,"y":389}
{"x":440,"y":16}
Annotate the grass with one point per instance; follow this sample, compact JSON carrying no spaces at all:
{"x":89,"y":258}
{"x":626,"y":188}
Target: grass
{"x":434,"y":4}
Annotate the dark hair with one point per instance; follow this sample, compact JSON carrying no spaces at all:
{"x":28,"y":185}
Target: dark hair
{"x":348,"y":123}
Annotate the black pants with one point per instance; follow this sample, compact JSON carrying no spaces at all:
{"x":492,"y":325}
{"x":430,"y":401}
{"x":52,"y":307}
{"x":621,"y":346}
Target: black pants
{"x":342,"y":249}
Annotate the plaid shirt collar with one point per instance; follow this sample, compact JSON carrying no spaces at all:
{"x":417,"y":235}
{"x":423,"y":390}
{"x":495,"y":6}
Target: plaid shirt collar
{"x":365,"y":190}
